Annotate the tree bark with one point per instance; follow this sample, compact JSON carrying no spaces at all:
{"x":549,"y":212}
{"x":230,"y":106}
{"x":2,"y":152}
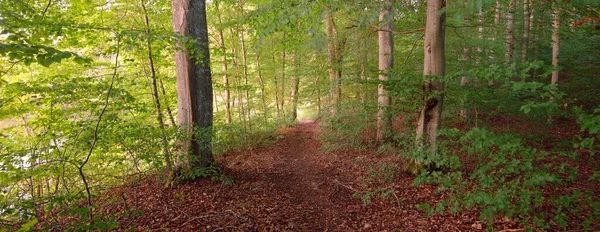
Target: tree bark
{"x":510,"y":28}
{"x":194,"y":85}
{"x":282,"y":91}
{"x":333,"y":48}
{"x":433,"y":65}
{"x":386,"y":62}
{"x":295,"y":87}
{"x":526,"y":30}
{"x":555,"y":42}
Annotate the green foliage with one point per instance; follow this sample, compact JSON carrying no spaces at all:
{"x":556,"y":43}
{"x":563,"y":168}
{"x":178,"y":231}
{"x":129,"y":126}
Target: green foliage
{"x":508,"y":180}
{"x":379,"y":177}
{"x":589,"y":123}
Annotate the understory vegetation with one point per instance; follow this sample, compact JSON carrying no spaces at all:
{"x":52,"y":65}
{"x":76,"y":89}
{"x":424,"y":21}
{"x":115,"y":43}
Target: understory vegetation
{"x":89,"y":102}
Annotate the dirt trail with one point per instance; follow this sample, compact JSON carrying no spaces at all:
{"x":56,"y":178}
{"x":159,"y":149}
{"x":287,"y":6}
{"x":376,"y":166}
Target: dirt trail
{"x":290,"y":185}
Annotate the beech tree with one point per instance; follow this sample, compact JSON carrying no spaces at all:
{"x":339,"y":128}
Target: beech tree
{"x":194,"y":85}
{"x":555,"y":41}
{"x":386,"y":62}
{"x":334,"y":47}
{"x":433,"y":68}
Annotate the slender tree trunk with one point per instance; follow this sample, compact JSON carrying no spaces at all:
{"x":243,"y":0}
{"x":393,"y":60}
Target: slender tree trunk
{"x":155,"y":96}
{"x":497,"y":17}
{"x":276,"y":80}
{"x":434,"y":65}
{"x":464,"y":81}
{"x":225,"y":71}
{"x":295,"y":86}
{"x":510,"y":28}
{"x":318,"y":87}
{"x":262,"y":88}
{"x":555,"y":42}
{"x":164,"y":94}
{"x":526,"y":30}
{"x":245,"y":68}
{"x":364,"y":60}
{"x":194,"y":85}
{"x":282,"y":91}
{"x":239,"y":92}
{"x":386,"y":62}
{"x":334,"y":64}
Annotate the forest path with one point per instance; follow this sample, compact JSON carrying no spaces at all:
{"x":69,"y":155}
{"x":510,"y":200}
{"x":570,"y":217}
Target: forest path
{"x":290,"y":185}
{"x":305,"y":176}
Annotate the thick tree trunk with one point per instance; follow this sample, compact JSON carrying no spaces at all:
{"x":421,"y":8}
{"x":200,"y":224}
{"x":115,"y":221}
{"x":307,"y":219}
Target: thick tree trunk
{"x":555,"y":42}
{"x":434,"y":65}
{"x":333,"y":49}
{"x":386,"y":62}
{"x":194,"y":85}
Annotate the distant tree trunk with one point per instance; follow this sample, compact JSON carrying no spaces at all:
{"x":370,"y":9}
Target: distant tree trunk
{"x":333,"y":49}
{"x":225,"y":71}
{"x":282,"y":91}
{"x":194,"y":85}
{"x":497,"y":16}
{"x":434,"y":65}
{"x":155,"y":96}
{"x":295,"y":87}
{"x":526,"y":30}
{"x":481,"y":19}
{"x":555,"y":42}
{"x":245,"y":68}
{"x":510,"y":29}
{"x":464,"y":81}
{"x":318,"y":87}
{"x":262,"y":88}
{"x":364,"y":60}
{"x":239,"y":92}
{"x":386,"y":62}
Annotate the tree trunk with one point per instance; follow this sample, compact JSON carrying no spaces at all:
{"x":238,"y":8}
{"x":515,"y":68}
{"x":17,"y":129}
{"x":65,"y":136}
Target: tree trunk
{"x":510,"y":29}
{"x":245,"y":68}
{"x":282,"y":91}
{"x":237,"y":79}
{"x":295,"y":86}
{"x":334,"y":63}
{"x":194,"y":85}
{"x":225,"y":70}
{"x":262,"y":88}
{"x":364,"y":60}
{"x":555,"y":42}
{"x":169,"y":111}
{"x":155,"y":96}
{"x":526,"y":30}
{"x":386,"y":62}
{"x":434,"y":65}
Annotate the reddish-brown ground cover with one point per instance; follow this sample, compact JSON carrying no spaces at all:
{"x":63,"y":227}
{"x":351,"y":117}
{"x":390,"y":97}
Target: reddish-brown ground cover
{"x":289,"y":186}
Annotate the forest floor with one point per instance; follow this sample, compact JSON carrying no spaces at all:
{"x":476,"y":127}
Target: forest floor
{"x":290,"y":185}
